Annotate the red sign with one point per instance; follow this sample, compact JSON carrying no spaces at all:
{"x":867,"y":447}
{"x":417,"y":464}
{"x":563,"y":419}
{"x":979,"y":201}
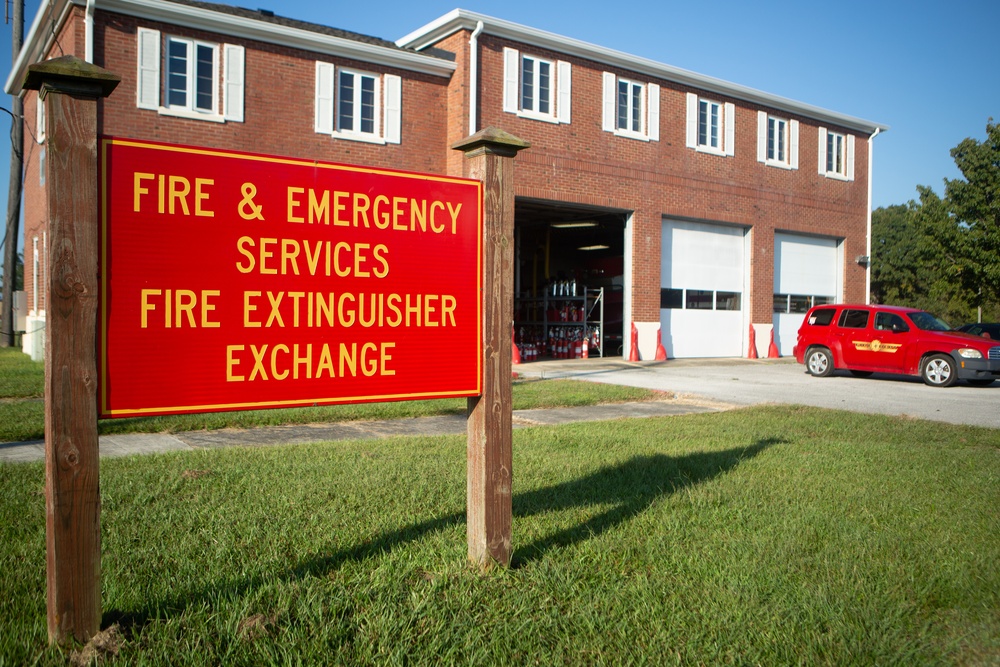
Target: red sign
{"x":233,"y":281}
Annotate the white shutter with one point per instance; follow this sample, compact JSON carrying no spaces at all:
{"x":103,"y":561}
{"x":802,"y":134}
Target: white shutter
{"x":393,"y":108}
{"x":761,"y":136}
{"x":608,"y":117}
{"x":822,"y":150}
{"x":324,"y":97}
{"x":730,"y":120}
{"x":511,"y":78}
{"x":850,"y":157}
{"x":692,"y":121}
{"x":564,"y":82}
{"x":39,"y":119}
{"x":148,"y":86}
{"x":653,"y":98}
{"x":793,"y":144}
{"x":233,"y":82}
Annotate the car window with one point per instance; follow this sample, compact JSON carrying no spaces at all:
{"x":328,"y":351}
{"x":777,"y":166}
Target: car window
{"x":928,"y":322}
{"x":886,"y":321}
{"x":854,"y":319}
{"x":822,"y":317}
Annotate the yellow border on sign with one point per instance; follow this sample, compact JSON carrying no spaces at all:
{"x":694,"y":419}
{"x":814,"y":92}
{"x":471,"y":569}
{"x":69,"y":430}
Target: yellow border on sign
{"x":103,"y":370}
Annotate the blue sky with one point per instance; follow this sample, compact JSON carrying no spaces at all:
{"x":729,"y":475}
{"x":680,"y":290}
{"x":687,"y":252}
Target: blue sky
{"x":928,"y":69}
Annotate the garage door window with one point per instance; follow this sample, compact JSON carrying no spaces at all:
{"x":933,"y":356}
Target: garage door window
{"x":798,"y":303}
{"x":694,"y":299}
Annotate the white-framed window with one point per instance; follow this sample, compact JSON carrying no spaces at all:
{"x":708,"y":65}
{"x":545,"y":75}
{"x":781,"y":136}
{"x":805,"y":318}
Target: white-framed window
{"x":836,"y":155}
{"x":192,"y":71}
{"x":631,"y":108}
{"x":535,"y":87}
{"x":777,"y":141}
{"x":356,"y":105}
{"x":179,"y":76}
{"x":711,"y":125}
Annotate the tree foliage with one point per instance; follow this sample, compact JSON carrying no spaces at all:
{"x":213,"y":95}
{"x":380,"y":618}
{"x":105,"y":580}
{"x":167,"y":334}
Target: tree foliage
{"x":943,"y":255}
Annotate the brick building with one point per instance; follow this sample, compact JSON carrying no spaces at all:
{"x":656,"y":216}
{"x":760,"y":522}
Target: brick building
{"x":688,"y":206}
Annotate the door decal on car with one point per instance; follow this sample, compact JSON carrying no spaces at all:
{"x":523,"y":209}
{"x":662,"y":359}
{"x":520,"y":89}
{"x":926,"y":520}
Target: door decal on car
{"x":876,"y":346}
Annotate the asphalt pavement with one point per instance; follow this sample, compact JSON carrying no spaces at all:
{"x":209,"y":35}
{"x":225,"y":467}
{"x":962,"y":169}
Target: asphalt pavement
{"x":693,"y":385}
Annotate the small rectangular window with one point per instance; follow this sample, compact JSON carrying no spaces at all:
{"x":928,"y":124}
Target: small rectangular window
{"x":798,"y":303}
{"x":836,"y":159}
{"x":777,"y":139}
{"x":780,"y":303}
{"x":727,"y":300}
{"x":192,"y":69}
{"x":671,"y":299}
{"x":709,"y":124}
{"x":854,"y":319}
{"x":630,"y":106}
{"x":699,"y":299}
{"x":358,"y":103}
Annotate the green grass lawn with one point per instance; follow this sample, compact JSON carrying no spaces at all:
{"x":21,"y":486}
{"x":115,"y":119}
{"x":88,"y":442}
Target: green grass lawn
{"x":770,"y":535}
{"x":22,"y":412}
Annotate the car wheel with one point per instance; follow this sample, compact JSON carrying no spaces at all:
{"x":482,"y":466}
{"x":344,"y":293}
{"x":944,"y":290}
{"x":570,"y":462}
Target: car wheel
{"x":819,"y":363}
{"x":938,"y":370}
{"x":862,"y":374}
{"x":980,"y":383}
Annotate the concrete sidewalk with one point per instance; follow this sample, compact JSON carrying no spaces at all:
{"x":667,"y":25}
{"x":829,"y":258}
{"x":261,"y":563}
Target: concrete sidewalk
{"x":151,"y":443}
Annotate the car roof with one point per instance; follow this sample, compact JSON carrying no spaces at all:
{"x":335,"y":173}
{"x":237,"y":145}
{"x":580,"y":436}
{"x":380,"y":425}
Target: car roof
{"x":879,"y":306}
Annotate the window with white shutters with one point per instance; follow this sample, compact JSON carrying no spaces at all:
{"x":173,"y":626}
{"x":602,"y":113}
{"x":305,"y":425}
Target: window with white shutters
{"x":631,"y":108}
{"x":536,"y":87}
{"x":359,"y":106}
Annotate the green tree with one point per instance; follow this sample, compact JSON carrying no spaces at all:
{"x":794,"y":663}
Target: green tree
{"x":975,"y":204}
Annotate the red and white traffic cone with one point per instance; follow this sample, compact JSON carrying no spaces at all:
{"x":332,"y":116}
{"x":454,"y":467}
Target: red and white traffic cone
{"x":661,"y":352}
{"x":633,"y":347}
{"x":752,"y":352}
{"x":772,"y":349}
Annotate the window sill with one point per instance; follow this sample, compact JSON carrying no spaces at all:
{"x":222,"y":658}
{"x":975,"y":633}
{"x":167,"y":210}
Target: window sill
{"x":356,"y":136}
{"x":835,"y":176}
{"x":779,"y":165}
{"x":630,"y":135}
{"x":534,"y":115}
{"x":710,"y":150}
{"x":193,"y":115}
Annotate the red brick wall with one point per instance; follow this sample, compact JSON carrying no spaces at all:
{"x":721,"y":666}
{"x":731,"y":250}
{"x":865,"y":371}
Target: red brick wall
{"x":581,"y":163}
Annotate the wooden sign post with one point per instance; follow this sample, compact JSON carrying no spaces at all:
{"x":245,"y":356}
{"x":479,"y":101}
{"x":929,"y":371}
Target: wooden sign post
{"x":491,"y":154}
{"x":70,"y":88}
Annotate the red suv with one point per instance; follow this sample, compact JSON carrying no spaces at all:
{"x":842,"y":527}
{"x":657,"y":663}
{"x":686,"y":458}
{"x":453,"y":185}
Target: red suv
{"x":891,"y":339}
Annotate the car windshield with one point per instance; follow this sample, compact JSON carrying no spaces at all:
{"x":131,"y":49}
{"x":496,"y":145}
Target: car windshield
{"x":928,"y":322}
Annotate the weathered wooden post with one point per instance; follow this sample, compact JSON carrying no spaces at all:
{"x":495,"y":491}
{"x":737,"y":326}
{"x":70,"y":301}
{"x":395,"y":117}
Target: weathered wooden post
{"x":491,"y":154}
{"x":69,"y":88}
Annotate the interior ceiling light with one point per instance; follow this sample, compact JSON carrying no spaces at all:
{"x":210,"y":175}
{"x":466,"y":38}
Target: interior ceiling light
{"x":572,"y":225}
{"x":594,"y":247}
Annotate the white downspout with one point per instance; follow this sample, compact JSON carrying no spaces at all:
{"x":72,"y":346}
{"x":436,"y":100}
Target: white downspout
{"x":868,"y":246}
{"x":473,"y":76}
{"x":88,"y":28}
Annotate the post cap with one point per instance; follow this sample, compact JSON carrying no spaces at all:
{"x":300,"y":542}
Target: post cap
{"x":72,"y":73}
{"x":492,"y":139}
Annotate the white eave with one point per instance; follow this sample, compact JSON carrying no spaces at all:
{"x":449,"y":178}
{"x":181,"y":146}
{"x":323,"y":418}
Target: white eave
{"x":460,"y":19}
{"x":229,"y":25}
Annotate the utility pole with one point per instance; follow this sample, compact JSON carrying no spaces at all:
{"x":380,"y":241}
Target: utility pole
{"x":14,"y":191}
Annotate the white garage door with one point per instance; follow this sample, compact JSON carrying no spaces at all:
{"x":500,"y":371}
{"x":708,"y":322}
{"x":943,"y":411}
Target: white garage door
{"x":806,"y":273}
{"x":703,"y":277}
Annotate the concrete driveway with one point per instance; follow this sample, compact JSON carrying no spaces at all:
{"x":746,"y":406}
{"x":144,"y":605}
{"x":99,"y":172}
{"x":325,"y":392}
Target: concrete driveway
{"x":750,"y":382}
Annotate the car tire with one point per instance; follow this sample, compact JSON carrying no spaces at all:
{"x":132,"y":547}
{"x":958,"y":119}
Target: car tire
{"x":980,"y":383}
{"x":819,"y":362}
{"x":862,"y":374}
{"x":938,"y":370}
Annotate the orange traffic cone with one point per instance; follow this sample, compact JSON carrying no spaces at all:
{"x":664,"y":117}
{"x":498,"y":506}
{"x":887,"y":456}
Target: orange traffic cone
{"x":661,"y":352}
{"x":515,"y":354}
{"x":772,"y":349}
{"x":752,"y":352}
{"x":633,"y":347}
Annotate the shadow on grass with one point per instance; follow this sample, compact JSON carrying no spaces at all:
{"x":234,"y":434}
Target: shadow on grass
{"x":629,"y":488}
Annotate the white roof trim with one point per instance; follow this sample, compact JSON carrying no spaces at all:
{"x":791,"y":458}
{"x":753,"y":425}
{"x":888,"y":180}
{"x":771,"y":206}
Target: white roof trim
{"x":461,"y":19}
{"x":234,"y":26}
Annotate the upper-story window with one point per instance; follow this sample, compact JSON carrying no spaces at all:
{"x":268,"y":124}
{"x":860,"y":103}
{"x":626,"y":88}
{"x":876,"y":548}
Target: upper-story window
{"x":179,"y":76}
{"x":631,"y":108}
{"x":536,"y":88}
{"x":711,"y":125}
{"x":777,"y":141}
{"x":356,"y":105}
{"x":836,"y":155}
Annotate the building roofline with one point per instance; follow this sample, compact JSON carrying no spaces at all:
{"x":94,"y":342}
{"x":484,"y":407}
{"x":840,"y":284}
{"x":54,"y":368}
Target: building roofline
{"x":241,"y":24}
{"x":461,"y":19}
